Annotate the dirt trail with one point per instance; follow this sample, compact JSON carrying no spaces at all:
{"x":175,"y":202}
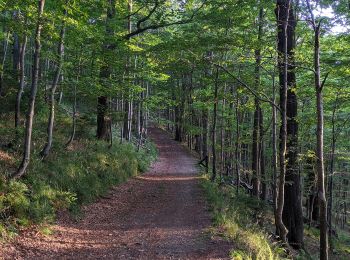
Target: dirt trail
{"x":159,"y":215}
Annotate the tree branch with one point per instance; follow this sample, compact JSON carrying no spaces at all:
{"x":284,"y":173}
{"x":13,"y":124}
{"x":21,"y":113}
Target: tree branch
{"x":144,"y":19}
{"x":325,"y":79}
{"x":265,"y":99}
{"x":140,"y":30}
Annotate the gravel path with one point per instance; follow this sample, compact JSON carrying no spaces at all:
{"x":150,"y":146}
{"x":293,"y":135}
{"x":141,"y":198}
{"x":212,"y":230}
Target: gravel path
{"x":159,"y":215}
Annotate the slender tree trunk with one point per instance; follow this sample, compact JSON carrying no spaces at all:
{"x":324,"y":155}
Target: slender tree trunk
{"x":128,"y":106}
{"x":331,"y":172}
{"x":102,"y":101}
{"x":30,"y":115}
{"x":263,"y":194}
{"x":74,"y":117}
{"x":237,"y":143}
{"x":16,"y":53}
{"x":222,"y":136}
{"x":282,"y":14}
{"x":74,"y":105}
{"x":256,"y":133}
{"x":179,"y":113}
{"x":215,"y":112}
{"x":6,"y":44}
{"x":21,"y":80}
{"x":274,"y":151}
{"x":255,"y":152}
{"x":60,"y":54}
{"x":319,"y":150}
{"x":205,"y":126}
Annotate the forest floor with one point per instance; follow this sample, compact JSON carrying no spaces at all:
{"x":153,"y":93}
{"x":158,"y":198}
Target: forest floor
{"x":159,"y":215}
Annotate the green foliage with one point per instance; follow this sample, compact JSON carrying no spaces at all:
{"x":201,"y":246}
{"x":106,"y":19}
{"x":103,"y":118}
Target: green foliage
{"x":235,"y":213}
{"x":68,"y":180}
{"x":342,"y":242}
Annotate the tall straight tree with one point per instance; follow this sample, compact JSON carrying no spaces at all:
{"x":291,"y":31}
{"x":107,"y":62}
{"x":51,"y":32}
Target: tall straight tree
{"x":23,"y":47}
{"x":102,"y":101}
{"x":256,"y":151}
{"x":215,"y":112}
{"x":282,"y":15}
{"x":316,"y":26}
{"x":128,"y":105}
{"x":33,"y":91}
{"x":60,"y":56}
{"x":292,"y":208}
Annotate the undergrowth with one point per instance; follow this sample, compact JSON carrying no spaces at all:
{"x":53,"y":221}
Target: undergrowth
{"x":241,"y":216}
{"x":73,"y":178}
{"x":67,"y":179}
{"x":340,"y":244}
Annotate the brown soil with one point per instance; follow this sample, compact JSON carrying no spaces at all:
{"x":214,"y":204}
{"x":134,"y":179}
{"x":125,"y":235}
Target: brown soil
{"x":159,"y":215}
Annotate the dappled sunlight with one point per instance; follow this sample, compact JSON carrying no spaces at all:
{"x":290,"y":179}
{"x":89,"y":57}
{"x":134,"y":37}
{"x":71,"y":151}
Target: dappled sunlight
{"x":160,"y":214}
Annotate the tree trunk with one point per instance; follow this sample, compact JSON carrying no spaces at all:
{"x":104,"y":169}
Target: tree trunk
{"x":263,"y":194}
{"x":6,"y":44}
{"x":237,"y":143}
{"x":274,"y":152}
{"x":256,"y":135}
{"x":331,"y":172}
{"x":255,"y":152}
{"x":30,"y":115}
{"x":23,"y":48}
{"x":128,"y":106}
{"x":102,"y":101}
{"x":319,"y":151}
{"x":282,"y":14}
{"x":60,"y":54}
{"x":215,"y":112}
{"x":74,"y":116}
{"x":292,"y":211}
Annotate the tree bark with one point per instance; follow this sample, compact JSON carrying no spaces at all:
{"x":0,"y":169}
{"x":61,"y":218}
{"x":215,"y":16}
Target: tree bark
{"x":74,"y":116}
{"x":102,"y":101}
{"x":255,"y":152}
{"x":205,"y":125}
{"x":322,"y":201}
{"x":256,"y":180}
{"x":263,"y":193}
{"x":23,"y":48}
{"x":274,"y":152}
{"x":60,"y":54}
{"x":5,"y":48}
{"x":237,"y":146}
{"x":319,"y":151}
{"x":282,"y":14}
{"x":331,"y":172}
{"x":215,"y":112}
{"x":128,"y":106}
{"x":30,"y":115}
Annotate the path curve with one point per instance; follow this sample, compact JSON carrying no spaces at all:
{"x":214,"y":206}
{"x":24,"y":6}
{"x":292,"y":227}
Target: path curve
{"x":159,"y":215}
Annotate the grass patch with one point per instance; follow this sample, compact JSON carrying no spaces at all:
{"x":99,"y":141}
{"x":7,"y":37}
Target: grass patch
{"x":68,"y":178}
{"x":240,"y":217}
{"x":66,"y":181}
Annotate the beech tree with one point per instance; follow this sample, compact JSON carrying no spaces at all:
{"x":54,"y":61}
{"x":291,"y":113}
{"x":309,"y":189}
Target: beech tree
{"x":33,"y":91}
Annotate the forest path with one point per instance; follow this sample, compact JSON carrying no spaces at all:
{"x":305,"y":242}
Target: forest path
{"x":159,"y":215}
